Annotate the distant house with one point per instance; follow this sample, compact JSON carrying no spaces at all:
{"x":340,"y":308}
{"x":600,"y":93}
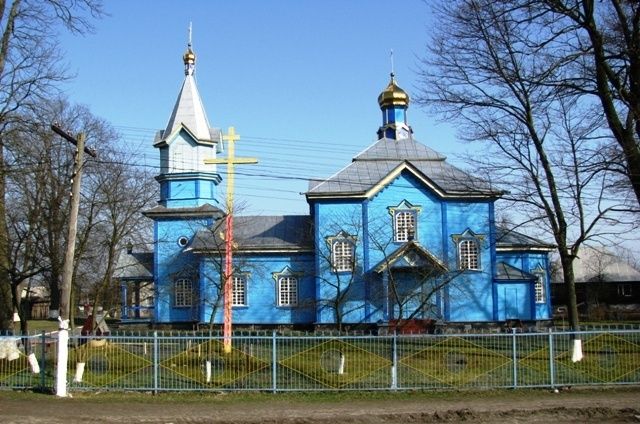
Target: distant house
{"x":397,"y":234}
{"x":35,"y":301}
{"x":606,"y":286}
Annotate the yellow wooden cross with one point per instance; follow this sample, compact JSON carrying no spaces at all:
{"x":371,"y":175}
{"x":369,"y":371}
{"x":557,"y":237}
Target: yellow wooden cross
{"x":230,"y":161}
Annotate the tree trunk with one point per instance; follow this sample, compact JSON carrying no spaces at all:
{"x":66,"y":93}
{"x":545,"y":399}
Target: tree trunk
{"x":6,"y":307}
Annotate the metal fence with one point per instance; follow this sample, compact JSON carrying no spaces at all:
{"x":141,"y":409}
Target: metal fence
{"x":274,"y":362}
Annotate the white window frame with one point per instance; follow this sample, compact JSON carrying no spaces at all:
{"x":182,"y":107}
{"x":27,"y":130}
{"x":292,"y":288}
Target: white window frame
{"x":342,"y":255}
{"x":539,"y":288}
{"x":183,"y":293}
{"x":402,"y":228}
{"x":239,"y":290}
{"x":287,"y":291}
{"x":468,"y":259}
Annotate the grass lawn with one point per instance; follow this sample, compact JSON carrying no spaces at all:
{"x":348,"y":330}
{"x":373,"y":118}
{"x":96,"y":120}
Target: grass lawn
{"x":37,"y":326}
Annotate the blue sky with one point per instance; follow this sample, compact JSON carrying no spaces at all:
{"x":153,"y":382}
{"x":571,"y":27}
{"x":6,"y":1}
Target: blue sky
{"x":298,"y":80}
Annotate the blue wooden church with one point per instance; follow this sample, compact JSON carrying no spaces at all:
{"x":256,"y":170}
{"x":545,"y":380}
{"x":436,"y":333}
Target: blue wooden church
{"x":397,"y":234}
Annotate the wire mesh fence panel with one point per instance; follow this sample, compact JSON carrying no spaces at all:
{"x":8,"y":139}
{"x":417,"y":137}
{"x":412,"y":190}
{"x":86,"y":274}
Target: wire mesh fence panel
{"x":26,"y":362}
{"x":454,"y":361}
{"x":333,"y":363}
{"x":532,"y":360}
{"x":155,"y":361}
{"x":114,"y":362}
{"x":611,"y":357}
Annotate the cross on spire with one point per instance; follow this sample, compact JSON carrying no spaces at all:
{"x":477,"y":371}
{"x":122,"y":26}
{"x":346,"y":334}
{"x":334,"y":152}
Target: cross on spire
{"x":392,"y":67}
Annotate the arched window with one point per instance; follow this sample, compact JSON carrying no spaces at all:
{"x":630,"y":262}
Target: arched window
{"x":342,"y":255}
{"x":405,"y":221}
{"x":468,"y":254}
{"x":287,"y":291}
{"x":183,"y":292}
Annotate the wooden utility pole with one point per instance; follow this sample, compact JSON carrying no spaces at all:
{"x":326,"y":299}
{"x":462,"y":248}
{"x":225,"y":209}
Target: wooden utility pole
{"x":67,"y":271}
{"x":230,"y":161}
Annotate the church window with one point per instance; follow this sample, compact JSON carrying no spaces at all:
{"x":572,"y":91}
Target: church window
{"x":539,"y":286}
{"x":342,"y":248}
{"x":183,"y":241}
{"x":468,"y":249}
{"x":342,"y":256}
{"x":404,"y":226}
{"x":405,"y":221}
{"x":183,"y":292}
{"x":239,"y":292}
{"x":287,"y":291}
{"x":287,"y":287}
{"x":468,"y":255}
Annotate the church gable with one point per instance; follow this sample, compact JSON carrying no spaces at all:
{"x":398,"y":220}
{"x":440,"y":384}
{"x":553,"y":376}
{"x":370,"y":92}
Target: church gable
{"x":373,"y":169}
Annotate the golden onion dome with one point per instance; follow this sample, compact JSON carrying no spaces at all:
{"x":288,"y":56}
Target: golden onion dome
{"x":393,"y":95}
{"x":189,"y":57}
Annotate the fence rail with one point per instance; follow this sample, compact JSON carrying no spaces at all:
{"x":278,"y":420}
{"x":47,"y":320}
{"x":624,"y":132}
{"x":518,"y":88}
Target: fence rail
{"x":273,"y":362}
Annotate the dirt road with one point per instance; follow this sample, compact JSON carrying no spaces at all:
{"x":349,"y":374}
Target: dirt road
{"x":573,"y":406}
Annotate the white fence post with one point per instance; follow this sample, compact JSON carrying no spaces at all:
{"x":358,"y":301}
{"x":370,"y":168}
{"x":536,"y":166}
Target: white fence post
{"x":274,"y":364}
{"x":156,"y":362}
{"x":514,"y":348}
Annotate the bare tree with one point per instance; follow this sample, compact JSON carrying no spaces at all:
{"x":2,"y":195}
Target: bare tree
{"x":490,"y":68}
{"x":116,"y":191}
{"x":340,"y":270}
{"x":38,"y":186}
{"x":30,"y":66}
{"x":603,"y":44}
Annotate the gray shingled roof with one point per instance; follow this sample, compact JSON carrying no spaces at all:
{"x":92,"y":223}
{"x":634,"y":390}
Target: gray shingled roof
{"x":369,"y":167}
{"x":387,"y":149}
{"x":504,"y":271}
{"x":513,"y":239}
{"x":289,"y":232}
{"x":600,"y":265}
{"x":134,"y":266}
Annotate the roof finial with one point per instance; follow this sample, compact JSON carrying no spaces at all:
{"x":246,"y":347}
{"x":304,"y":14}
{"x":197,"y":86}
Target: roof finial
{"x":189,"y":57}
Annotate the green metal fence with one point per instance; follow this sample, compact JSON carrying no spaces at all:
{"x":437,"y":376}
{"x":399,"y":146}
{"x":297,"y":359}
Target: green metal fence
{"x":274,"y":362}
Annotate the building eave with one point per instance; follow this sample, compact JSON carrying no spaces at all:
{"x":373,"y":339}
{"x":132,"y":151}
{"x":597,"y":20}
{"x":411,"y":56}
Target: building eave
{"x":255,"y":250}
{"x":545,"y":249}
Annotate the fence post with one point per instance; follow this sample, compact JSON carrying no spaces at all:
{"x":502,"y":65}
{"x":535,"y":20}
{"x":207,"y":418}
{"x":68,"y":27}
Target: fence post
{"x":394,"y":361}
{"x":515,"y":357}
{"x":551,"y":364}
{"x":43,"y":359}
{"x":274,"y":367}
{"x":156,"y":362}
